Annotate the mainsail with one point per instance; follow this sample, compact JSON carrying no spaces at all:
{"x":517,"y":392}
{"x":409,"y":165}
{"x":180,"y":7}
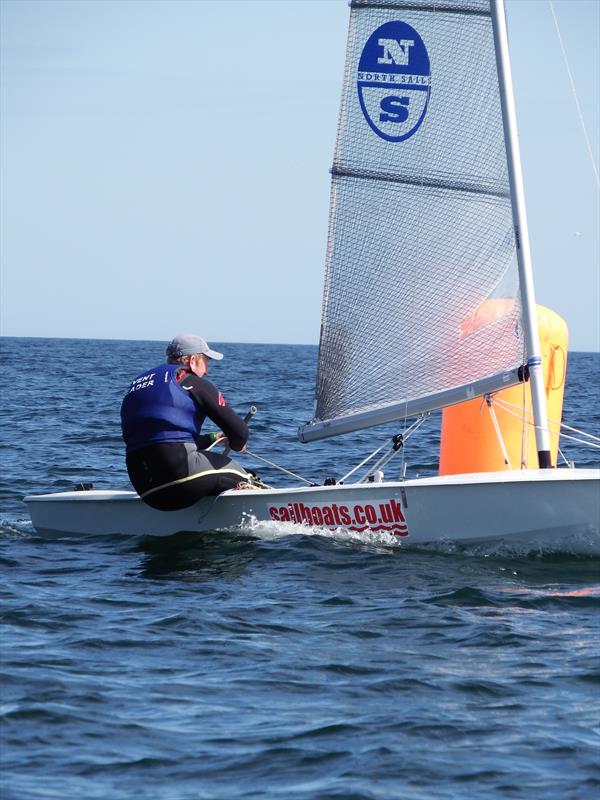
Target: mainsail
{"x":421,"y":305}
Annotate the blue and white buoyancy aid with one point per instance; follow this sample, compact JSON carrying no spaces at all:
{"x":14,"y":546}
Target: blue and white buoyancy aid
{"x":156,"y":409}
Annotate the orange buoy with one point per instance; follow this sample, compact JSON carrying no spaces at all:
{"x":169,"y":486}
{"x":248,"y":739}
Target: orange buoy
{"x":469,"y":441}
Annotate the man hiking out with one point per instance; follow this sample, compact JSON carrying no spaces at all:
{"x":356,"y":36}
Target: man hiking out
{"x":162,"y":416}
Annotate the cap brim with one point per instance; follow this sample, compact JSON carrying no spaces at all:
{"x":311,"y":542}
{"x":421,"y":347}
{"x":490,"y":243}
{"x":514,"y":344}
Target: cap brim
{"x":216,"y":356}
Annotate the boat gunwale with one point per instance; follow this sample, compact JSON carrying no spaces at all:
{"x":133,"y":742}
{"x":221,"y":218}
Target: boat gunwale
{"x":465,"y":479}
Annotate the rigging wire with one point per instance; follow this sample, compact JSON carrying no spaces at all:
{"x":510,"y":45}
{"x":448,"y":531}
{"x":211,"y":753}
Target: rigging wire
{"x":580,"y":441}
{"x":488,"y":401}
{"x":573,"y":89}
{"x":362,"y":463}
{"x":581,"y":433}
{"x":395,"y":448}
{"x":277,"y":466}
{"x":569,"y":464}
{"x":505,"y":406}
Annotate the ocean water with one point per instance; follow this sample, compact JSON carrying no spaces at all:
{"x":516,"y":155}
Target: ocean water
{"x":276,"y":664}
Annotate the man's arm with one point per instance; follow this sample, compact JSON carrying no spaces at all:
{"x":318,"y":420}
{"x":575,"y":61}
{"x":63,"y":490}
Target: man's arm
{"x":212,"y":403}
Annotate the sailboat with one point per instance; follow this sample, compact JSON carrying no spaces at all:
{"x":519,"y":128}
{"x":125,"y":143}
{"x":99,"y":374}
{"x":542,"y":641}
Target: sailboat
{"x":428,"y":301}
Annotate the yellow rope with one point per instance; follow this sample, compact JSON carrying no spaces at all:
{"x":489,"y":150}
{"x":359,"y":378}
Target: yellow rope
{"x":193,"y":477}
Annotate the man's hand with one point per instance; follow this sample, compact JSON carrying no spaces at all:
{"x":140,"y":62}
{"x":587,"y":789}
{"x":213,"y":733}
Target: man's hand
{"x":223,"y":441}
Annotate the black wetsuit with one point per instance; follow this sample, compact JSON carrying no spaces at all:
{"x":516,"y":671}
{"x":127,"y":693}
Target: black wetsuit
{"x":165,"y":458}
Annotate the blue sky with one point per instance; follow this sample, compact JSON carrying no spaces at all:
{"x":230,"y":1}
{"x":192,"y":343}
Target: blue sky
{"x":165,"y":164}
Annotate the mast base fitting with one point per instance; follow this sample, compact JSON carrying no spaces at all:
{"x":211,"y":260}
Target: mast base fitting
{"x":544,"y":459}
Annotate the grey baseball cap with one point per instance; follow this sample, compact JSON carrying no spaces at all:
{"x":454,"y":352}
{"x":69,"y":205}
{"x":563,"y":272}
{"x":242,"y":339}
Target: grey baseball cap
{"x":186,"y":344}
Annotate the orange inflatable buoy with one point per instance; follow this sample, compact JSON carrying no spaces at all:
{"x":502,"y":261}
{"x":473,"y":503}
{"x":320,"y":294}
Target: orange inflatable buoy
{"x":469,"y":441}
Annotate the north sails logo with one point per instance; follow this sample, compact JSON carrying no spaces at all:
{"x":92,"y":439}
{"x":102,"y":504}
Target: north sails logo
{"x":394,"y":80}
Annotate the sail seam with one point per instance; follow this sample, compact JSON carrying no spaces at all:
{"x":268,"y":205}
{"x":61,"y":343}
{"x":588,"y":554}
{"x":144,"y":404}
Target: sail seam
{"x":339,"y":172}
{"x":433,"y":7}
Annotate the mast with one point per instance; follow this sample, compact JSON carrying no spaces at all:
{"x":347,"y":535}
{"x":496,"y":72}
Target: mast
{"x":530,"y":325}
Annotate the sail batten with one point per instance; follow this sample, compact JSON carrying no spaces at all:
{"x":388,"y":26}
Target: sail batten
{"x":430,"y":183}
{"x":421,"y":301}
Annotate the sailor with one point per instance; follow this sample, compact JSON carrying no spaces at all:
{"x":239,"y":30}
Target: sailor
{"x":162,"y":416}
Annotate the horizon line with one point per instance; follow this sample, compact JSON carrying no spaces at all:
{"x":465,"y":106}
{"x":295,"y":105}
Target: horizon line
{"x":218,"y":341}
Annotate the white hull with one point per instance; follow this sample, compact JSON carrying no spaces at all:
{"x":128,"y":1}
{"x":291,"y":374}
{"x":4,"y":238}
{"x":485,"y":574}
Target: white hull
{"x":524,"y":506}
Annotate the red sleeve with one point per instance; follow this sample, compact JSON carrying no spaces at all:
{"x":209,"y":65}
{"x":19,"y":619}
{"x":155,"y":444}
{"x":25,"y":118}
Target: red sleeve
{"x":211,"y":402}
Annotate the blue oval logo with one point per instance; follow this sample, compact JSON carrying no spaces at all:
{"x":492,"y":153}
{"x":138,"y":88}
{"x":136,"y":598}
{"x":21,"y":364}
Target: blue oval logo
{"x":394,"y":81}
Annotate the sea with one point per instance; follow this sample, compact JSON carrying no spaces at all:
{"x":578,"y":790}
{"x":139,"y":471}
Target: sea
{"x":282,"y":662}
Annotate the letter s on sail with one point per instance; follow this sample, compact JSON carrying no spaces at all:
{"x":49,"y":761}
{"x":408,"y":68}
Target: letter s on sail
{"x":395,"y":109}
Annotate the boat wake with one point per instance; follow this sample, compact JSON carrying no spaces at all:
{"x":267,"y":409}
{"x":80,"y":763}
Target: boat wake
{"x":268,"y":531}
{"x":570,"y":545}
{"x":579,"y":545}
{"x":21,"y":528}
